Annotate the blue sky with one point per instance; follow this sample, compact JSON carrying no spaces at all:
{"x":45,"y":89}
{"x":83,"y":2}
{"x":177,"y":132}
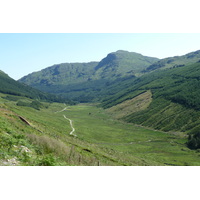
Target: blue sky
{"x":23,"y":53}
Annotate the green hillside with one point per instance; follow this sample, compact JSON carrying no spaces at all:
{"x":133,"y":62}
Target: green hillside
{"x":61,"y":74}
{"x":12,"y":87}
{"x":175,"y":103}
{"x":84,"y":81}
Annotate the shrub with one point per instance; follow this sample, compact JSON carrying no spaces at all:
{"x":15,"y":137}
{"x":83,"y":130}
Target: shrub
{"x":194,"y":141}
{"x":34,"y":104}
{"x":47,"y":160}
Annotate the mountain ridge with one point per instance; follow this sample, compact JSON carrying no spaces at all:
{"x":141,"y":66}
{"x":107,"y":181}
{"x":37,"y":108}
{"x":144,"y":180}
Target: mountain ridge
{"x":175,"y":61}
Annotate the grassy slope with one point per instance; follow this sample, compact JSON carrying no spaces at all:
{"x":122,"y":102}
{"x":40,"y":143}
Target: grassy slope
{"x":100,"y":140}
{"x":140,"y":102}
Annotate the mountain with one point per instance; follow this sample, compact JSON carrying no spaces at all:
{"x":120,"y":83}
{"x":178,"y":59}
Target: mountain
{"x":12,"y":87}
{"x":176,"y":61}
{"x":84,"y":81}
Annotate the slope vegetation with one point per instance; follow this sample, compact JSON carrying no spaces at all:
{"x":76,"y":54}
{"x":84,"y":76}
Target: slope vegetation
{"x":141,"y":102}
{"x":175,"y":100}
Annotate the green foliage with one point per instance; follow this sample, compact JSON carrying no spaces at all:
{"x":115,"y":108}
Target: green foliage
{"x":194,"y":141}
{"x":11,"y":146}
{"x":34,"y":104}
{"x":12,"y":98}
{"x":194,"y":137}
{"x":47,"y":160}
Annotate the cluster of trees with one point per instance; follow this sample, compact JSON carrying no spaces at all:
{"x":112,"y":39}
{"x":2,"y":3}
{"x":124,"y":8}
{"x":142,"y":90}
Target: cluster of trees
{"x":34,"y":104}
{"x":194,"y":137}
{"x":194,"y":141}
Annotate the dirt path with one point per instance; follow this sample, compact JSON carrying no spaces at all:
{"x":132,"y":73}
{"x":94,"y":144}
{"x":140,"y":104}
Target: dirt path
{"x":62,"y":109}
{"x":73,"y":129}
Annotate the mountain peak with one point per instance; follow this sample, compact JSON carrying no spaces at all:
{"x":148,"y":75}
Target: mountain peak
{"x":122,"y":51}
{"x":122,"y":62}
{"x":118,"y":52}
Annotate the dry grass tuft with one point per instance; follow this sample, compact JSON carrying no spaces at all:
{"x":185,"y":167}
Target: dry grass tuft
{"x":50,"y":145}
{"x":128,"y":107}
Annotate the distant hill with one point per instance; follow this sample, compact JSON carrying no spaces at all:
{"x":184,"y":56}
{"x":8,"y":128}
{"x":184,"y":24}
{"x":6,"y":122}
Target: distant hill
{"x":177,"y":61}
{"x":60,"y":74}
{"x":83,"y":81}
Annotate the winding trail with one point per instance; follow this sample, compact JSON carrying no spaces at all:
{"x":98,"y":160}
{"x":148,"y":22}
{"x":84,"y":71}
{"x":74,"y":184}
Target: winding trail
{"x":62,"y":109}
{"x":72,"y":127}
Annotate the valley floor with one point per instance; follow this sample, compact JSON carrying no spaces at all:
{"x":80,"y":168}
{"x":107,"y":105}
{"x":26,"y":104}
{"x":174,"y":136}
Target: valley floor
{"x":97,"y":139}
{"x":152,"y":147}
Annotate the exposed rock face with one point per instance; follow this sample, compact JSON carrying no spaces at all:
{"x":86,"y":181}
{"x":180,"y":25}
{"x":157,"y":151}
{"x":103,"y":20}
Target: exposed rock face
{"x":10,"y":162}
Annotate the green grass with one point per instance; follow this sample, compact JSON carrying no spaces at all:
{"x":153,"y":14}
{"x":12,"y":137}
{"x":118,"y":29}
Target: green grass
{"x":133,"y":141}
{"x":48,"y":139}
{"x":100,"y":139}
